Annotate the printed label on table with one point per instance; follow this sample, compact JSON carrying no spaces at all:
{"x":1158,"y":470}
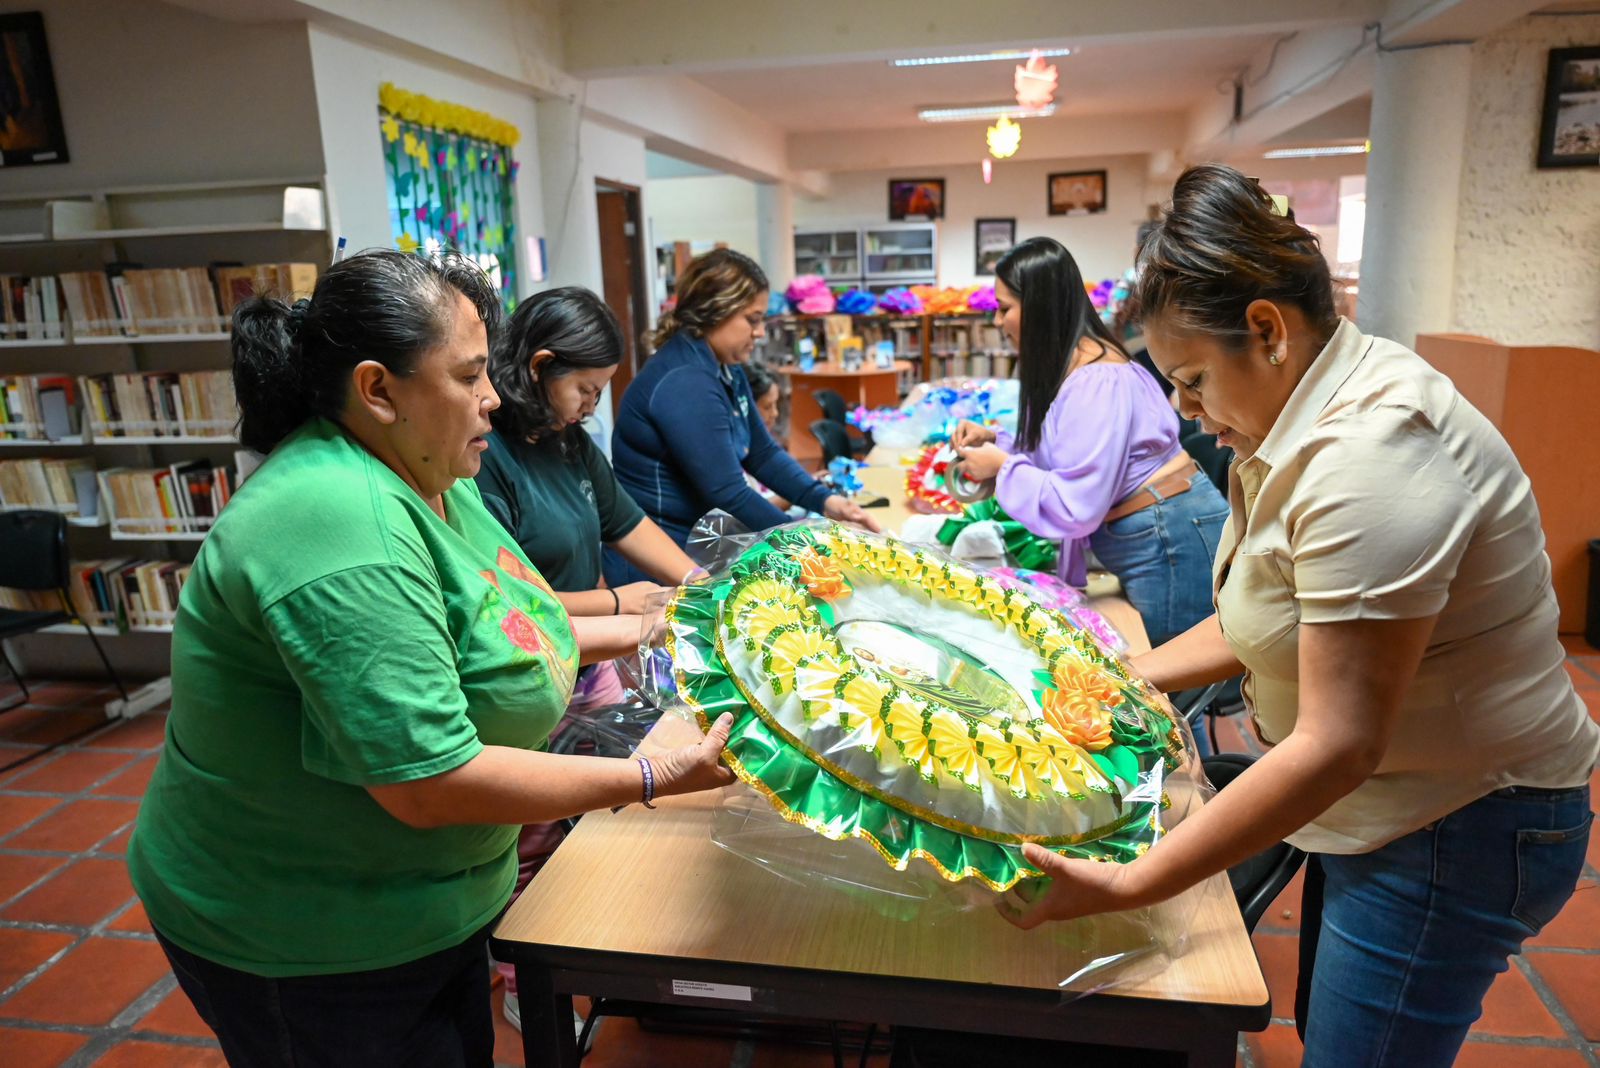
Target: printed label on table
{"x":689,"y":988}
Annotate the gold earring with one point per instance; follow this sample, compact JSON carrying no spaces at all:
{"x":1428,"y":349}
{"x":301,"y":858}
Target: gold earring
{"x":1276,"y":358}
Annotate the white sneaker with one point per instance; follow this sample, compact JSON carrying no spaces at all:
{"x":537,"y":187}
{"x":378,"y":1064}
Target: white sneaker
{"x":513,"y":1014}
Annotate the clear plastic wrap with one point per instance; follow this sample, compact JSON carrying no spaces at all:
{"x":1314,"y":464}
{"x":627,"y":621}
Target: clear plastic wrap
{"x":904,"y":722}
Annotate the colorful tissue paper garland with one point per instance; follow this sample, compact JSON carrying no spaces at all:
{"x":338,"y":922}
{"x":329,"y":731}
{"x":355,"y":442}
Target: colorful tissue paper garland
{"x":809,"y":294}
{"x":887,"y":694}
{"x":451,"y":182}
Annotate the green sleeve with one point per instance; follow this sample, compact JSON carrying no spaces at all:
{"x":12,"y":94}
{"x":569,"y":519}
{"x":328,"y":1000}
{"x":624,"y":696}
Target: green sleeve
{"x":619,"y":513}
{"x":375,"y":663}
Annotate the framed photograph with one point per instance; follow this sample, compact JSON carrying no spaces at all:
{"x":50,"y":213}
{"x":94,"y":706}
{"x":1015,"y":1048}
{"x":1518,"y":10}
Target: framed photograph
{"x":916,"y":198}
{"x":1077,"y":193}
{"x":30,"y":118}
{"x":1569,"y":136}
{"x":994,"y":239}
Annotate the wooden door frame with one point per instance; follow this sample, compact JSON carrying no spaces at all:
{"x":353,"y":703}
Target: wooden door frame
{"x":634,"y":210}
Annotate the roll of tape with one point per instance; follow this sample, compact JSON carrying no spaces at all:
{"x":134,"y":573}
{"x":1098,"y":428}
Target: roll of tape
{"x":963,"y":489}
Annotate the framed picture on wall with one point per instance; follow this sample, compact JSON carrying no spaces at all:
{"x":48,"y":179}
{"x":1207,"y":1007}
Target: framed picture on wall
{"x":1077,"y":193}
{"x":30,"y":117}
{"x":995,"y":237}
{"x":1569,"y":135}
{"x":916,"y":198}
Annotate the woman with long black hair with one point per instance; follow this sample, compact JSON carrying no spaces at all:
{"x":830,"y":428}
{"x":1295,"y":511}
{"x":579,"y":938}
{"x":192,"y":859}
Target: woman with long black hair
{"x":1095,"y":461}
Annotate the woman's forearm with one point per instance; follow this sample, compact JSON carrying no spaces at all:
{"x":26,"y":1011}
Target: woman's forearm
{"x":511,"y":786}
{"x":1197,"y":657}
{"x":648,"y":548}
{"x":602,"y":638}
{"x":588,"y":603}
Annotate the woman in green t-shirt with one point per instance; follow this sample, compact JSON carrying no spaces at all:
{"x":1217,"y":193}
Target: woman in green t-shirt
{"x":363,"y":665}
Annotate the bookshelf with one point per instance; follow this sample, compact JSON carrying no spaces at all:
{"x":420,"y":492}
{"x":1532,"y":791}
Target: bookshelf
{"x":193,"y":230}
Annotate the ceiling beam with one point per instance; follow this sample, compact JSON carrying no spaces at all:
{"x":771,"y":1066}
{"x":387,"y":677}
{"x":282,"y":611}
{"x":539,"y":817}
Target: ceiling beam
{"x":613,"y":37}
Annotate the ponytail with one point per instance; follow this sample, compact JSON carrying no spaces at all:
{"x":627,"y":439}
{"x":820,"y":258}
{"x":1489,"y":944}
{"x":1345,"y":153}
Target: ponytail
{"x":293,"y":363}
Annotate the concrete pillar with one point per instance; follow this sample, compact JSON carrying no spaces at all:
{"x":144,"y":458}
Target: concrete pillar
{"x":1419,"y":132}
{"x":775,"y":232}
{"x":567,"y":186}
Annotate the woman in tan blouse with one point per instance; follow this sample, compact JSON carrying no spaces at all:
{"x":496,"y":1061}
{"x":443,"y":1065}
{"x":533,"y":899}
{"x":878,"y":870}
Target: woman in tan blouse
{"x":1382,"y":582}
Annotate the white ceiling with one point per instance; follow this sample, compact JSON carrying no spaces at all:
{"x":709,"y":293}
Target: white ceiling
{"x":1101,"y":79}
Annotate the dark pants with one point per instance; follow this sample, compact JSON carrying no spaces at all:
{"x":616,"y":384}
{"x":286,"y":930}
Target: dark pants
{"x":430,"y":1013}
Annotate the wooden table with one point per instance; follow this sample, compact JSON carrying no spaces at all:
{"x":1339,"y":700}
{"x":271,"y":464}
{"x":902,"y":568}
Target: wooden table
{"x":868,"y":386}
{"x":644,"y":906}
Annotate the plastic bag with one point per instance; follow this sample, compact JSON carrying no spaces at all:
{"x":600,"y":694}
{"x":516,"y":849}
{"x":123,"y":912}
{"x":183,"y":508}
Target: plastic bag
{"x":903,"y":722}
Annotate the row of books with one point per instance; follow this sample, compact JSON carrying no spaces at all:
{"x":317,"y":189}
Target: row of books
{"x":196,"y":404}
{"x":38,"y":406}
{"x":30,"y":307}
{"x":120,"y":593}
{"x":129,"y":300}
{"x":68,"y":486}
{"x":180,"y":498}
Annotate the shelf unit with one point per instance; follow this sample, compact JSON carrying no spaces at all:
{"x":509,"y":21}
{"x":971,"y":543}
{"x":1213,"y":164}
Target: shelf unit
{"x":900,"y":254}
{"x":270,"y":220}
{"x":941,"y":346}
{"x":835,"y":255}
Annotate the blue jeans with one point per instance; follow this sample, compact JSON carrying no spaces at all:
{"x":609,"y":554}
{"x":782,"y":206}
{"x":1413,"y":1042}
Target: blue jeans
{"x":1413,"y":933}
{"x":1162,"y":556}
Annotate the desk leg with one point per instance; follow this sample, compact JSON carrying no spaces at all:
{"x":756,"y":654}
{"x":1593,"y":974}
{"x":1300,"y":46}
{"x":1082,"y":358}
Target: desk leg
{"x":547,"y":1034}
{"x":1212,"y":1051}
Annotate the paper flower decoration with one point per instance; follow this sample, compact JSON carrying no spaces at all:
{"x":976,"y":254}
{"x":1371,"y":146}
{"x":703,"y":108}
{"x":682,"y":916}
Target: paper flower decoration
{"x":809,"y":294}
{"x":414,"y":107}
{"x":983,"y":300}
{"x":1004,"y":138}
{"x":856,"y":302}
{"x":1035,"y":82}
{"x":900,"y":301}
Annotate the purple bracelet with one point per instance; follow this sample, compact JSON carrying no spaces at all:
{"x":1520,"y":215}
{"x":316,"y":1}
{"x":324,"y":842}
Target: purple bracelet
{"x":649,"y":782}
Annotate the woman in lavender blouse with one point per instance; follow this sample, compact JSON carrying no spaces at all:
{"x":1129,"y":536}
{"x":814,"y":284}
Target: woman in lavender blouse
{"x":1095,"y":461}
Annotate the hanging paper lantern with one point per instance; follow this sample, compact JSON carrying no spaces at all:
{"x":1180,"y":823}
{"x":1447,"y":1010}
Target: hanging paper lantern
{"x":988,"y":170}
{"x":885,"y":693}
{"x":1035,"y":82}
{"x":1004,"y":138}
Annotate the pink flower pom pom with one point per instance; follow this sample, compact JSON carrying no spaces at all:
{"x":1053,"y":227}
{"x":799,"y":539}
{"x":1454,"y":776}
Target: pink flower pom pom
{"x":809,"y":294}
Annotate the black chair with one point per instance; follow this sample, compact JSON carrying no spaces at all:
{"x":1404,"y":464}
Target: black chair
{"x":834,"y":441}
{"x":1197,"y":706}
{"x":833,"y":409}
{"x":35,"y":558}
{"x":1212,"y":458}
{"x":1258,"y":881}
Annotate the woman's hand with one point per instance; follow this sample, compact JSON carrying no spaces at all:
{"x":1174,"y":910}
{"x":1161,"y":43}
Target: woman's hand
{"x":1077,"y":888}
{"x":842,"y":510}
{"x":982,"y":462}
{"x":638,"y":598}
{"x":697,"y":767}
{"x":968,"y":434}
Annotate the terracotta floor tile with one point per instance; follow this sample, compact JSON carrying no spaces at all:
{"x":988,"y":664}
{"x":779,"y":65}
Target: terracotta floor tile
{"x":61,"y":694}
{"x":1577,"y":645}
{"x":70,"y":772}
{"x":1284,"y":912}
{"x":507,"y":1039}
{"x":49,"y":726}
{"x":1582,"y":679}
{"x":16,"y":810}
{"x":132,"y":782}
{"x":1574,"y":977}
{"x":38,"y":1049}
{"x":1501,"y":1055}
{"x":92,"y":983}
{"x":146,"y":732}
{"x":1276,"y":1047}
{"x":134,"y":1053}
{"x":779,"y":1055}
{"x":176,"y":1016}
{"x":1512,"y":1009}
{"x":77,"y":825}
{"x":22,"y":951}
{"x":132,"y":920}
{"x":1280,"y":963}
{"x":117,"y":846}
{"x":81,"y":895}
{"x":1578,"y":924}
{"x":18,"y":872}
{"x":621,"y":1044}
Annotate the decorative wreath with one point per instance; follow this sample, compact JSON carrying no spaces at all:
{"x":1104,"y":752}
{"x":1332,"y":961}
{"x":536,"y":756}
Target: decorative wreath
{"x":885,"y":693}
{"x":925,"y":481}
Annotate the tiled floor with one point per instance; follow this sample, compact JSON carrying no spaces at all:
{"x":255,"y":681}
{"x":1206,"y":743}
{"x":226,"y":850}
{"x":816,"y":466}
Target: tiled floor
{"x":82,"y":981}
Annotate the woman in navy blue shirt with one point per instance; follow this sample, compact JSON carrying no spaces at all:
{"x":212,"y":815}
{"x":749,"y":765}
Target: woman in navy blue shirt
{"x":689,"y":429}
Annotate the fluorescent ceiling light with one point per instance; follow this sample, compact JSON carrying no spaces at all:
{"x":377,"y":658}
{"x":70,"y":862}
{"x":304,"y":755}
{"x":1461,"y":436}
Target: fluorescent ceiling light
{"x":983,"y":111}
{"x":1307,"y":153}
{"x":1011,"y":54}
